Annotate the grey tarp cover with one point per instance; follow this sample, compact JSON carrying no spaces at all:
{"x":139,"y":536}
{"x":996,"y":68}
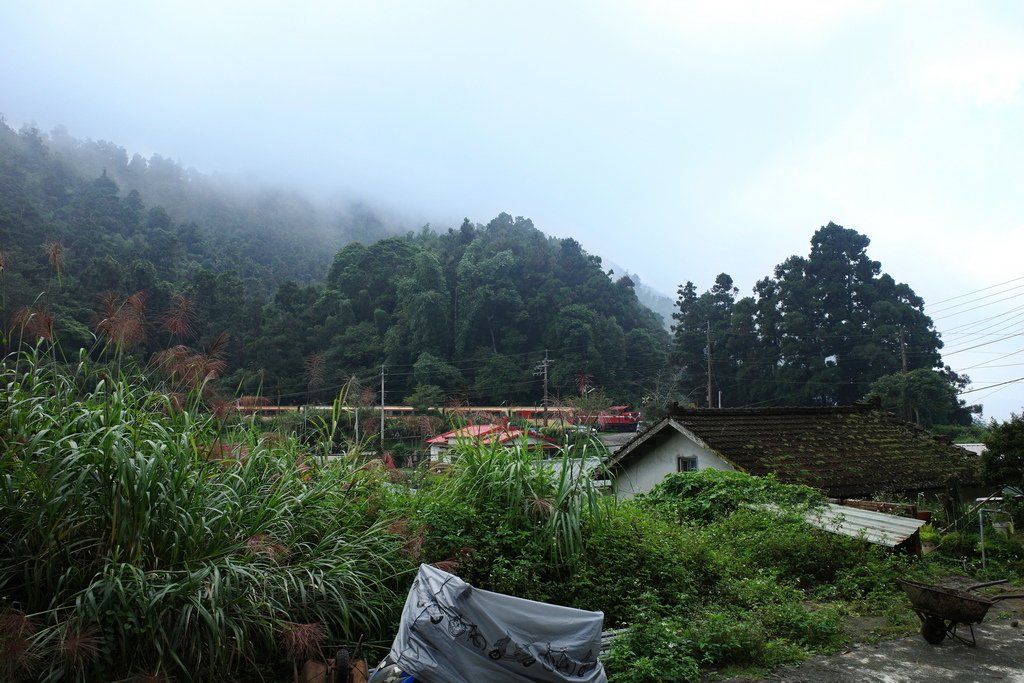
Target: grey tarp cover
{"x":452,"y":632}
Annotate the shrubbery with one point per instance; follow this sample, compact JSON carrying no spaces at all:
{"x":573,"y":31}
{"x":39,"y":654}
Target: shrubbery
{"x":710,"y":495}
{"x":142,"y":538}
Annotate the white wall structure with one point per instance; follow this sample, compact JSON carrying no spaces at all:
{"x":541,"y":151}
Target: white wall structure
{"x":659,"y":457}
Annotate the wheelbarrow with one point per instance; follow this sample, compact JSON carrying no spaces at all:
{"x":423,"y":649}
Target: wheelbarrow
{"x":943,"y":610}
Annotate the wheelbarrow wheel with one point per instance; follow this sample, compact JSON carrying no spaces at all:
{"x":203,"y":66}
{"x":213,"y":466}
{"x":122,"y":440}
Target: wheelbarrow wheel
{"x":341,"y":666}
{"x":933,"y":629}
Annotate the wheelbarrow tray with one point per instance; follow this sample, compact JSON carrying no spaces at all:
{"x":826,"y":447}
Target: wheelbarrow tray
{"x":950,"y":604}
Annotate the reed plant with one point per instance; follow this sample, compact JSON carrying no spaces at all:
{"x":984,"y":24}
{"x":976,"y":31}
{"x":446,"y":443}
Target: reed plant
{"x":142,"y":537}
{"x":507,"y":519}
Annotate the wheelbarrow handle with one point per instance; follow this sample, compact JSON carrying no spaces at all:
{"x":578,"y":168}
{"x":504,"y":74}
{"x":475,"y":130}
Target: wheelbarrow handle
{"x":1006,"y":596}
{"x":987,"y":583}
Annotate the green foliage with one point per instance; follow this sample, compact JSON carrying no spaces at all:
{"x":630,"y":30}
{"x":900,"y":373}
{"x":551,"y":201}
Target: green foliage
{"x":652,"y":651}
{"x":512,"y":522}
{"x":171,"y":544}
{"x":959,"y":544}
{"x":817,"y":332}
{"x":468,"y":311}
{"x":924,"y":396}
{"x":425,"y":397}
{"x":634,"y":553}
{"x":1003,"y":461}
{"x":710,"y":495}
{"x":797,"y":552}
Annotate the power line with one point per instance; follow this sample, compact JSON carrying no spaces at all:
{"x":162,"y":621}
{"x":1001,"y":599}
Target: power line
{"x":960,"y":296}
{"x":980,"y":298}
{"x":991,"y":386}
{"x":997,"y":301}
{"x":978,"y":346}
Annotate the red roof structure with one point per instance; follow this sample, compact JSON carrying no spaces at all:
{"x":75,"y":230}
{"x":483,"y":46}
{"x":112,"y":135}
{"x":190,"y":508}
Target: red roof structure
{"x":489,"y":434}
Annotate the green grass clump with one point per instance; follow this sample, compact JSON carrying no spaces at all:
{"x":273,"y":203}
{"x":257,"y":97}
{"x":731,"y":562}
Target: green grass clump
{"x":505,"y":519}
{"x":141,"y":537}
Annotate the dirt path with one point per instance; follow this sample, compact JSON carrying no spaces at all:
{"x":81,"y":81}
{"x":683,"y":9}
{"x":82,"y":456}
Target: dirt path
{"x":999,"y":656}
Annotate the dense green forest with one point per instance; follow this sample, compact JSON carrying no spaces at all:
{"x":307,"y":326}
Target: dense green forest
{"x":98,"y":247}
{"x":464,"y":314}
{"x":826,"y":329}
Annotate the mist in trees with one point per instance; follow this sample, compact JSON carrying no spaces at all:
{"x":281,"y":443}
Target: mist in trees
{"x":463,"y":314}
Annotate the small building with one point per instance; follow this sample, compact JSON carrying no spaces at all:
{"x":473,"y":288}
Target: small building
{"x":502,"y":433}
{"x":854,"y":451}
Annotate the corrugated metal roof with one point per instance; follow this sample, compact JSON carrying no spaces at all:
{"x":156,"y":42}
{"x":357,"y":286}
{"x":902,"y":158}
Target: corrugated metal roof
{"x":875,"y":527}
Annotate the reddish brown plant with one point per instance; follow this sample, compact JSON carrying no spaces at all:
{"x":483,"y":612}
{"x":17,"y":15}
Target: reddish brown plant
{"x":302,"y":641}
{"x":55,"y":255}
{"x":34,"y":321}
{"x":316,"y":370}
{"x":180,"y":317}
{"x":123,"y":323}
{"x":260,"y":544}
{"x":79,"y":645}
{"x":15,"y":630}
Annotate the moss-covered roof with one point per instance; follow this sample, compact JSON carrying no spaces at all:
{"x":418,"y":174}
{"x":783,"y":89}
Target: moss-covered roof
{"x":848,"y":451}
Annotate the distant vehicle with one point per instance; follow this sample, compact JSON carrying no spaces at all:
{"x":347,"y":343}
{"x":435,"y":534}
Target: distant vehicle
{"x":617,"y":419}
{"x":581,"y":429}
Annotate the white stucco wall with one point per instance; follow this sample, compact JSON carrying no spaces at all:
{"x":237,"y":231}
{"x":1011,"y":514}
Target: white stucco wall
{"x":640,"y":473}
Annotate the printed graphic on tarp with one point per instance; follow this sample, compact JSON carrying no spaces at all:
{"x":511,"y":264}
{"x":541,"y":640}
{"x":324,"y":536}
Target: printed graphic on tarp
{"x":452,"y":632}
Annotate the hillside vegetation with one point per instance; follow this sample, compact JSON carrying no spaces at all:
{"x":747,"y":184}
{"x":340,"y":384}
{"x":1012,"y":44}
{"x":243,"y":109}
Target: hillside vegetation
{"x":465,"y":313}
{"x":148,"y":538}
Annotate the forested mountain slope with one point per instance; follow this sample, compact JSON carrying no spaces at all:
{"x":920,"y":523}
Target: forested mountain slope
{"x":463,"y":314}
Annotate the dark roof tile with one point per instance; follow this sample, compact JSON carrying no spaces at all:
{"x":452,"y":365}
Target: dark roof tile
{"x":845,"y":451}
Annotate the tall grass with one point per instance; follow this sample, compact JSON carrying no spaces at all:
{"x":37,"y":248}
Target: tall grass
{"x":552,"y":500}
{"x":138,"y":537}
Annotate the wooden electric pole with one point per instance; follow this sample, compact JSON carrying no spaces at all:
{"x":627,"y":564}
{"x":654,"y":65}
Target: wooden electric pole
{"x":710,"y":405}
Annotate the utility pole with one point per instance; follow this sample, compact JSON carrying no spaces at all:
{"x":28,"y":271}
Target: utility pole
{"x":542,"y":369}
{"x":382,"y":409}
{"x":710,"y":405}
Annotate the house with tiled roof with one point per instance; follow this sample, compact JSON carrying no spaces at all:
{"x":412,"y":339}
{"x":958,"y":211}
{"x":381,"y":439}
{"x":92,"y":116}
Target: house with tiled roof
{"x":854,"y":451}
{"x":488,"y":434}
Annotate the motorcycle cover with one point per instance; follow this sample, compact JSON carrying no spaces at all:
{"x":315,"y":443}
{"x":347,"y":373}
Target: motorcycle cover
{"x":452,"y":632}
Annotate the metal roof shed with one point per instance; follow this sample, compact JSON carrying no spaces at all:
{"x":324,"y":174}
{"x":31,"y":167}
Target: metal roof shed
{"x":874,"y":527}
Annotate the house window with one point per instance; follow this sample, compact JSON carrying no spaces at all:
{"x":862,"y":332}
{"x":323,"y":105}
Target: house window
{"x":684,"y":464}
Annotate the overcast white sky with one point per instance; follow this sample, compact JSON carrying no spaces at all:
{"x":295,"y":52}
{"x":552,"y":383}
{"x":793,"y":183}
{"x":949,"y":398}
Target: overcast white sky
{"x":678,"y":139}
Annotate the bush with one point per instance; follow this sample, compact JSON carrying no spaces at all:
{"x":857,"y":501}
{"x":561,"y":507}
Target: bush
{"x":632,"y":552}
{"x":787,"y":545}
{"x":959,"y":544}
{"x":651,"y":651}
{"x":710,"y":495}
{"x":141,"y":537}
{"x":513,"y":524}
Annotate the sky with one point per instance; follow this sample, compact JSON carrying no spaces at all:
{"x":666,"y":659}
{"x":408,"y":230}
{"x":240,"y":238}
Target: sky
{"x":678,"y":139}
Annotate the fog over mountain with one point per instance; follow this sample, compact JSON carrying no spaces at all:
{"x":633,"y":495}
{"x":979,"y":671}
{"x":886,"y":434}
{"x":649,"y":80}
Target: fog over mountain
{"x":678,"y":139}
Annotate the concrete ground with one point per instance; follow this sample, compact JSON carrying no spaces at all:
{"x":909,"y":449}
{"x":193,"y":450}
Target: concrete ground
{"x":999,"y":656}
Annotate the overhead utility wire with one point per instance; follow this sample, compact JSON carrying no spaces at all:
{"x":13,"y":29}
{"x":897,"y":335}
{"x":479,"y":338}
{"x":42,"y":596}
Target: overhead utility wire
{"x":960,"y":296}
{"x":978,"y":346}
{"x":978,"y":365}
{"x":991,"y":386}
{"x":980,"y":298}
{"x":968,"y":310}
{"x":973,"y":326}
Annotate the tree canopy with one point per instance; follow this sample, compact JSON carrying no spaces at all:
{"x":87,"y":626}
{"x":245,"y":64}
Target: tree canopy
{"x":467,"y":312}
{"x":823,"y":329}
